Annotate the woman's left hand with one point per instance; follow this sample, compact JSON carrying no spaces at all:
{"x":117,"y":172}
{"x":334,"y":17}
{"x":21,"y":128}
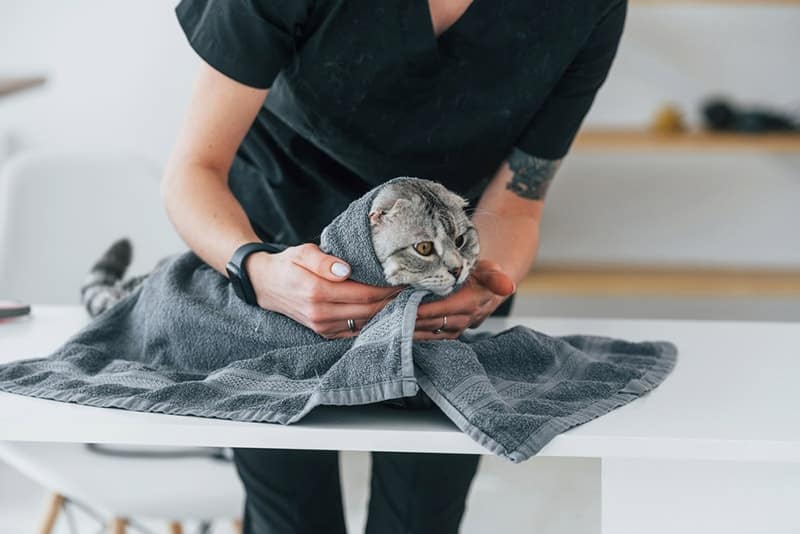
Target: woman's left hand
{"x":485,"y":289}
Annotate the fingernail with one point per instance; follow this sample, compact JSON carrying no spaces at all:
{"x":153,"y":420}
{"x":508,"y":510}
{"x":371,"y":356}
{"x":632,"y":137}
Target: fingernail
{"x":340,"y":269}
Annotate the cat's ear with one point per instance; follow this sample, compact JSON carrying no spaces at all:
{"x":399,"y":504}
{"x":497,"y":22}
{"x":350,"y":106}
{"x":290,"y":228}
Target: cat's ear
{"x":379,"y":213}
{"x":458,"y":200}
{"x":375,"y":216}
{"x":399,"y":205}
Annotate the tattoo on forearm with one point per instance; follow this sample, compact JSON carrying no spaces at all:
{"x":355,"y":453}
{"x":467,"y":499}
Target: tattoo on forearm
{"x":532,"y":176}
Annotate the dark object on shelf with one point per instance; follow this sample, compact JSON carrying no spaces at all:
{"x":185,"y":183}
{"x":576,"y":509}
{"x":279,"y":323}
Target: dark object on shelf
{"x":721,"y":115}
{"x":12,"y":308}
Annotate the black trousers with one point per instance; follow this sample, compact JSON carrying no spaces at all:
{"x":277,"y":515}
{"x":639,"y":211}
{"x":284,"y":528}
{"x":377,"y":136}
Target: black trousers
{"x":299,"y":491}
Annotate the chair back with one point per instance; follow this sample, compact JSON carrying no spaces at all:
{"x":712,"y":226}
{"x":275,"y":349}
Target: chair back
{"x":60,"y":211}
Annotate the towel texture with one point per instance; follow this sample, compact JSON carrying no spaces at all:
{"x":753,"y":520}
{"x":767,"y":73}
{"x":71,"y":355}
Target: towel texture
{"x":183,"y":343}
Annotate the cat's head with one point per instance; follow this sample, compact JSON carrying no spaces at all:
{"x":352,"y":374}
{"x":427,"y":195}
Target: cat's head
{"x":422,"y":235}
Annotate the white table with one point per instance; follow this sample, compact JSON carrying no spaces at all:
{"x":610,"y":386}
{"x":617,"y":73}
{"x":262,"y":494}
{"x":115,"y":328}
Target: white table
{"x":733,"y":397}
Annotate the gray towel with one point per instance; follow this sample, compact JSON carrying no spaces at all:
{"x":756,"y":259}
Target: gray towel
{"x":183,"y":343}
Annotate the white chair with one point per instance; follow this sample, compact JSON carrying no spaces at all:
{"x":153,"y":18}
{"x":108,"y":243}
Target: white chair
{"x":58,"y":213}
{"x":119,"y":491}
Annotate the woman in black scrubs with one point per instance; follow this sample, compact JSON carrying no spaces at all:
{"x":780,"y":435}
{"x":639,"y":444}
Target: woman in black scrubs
{"x":302,"y":106}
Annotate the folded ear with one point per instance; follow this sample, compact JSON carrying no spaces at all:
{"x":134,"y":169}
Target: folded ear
{"x":451,"y":198}
{"x":399,"y":205}
{"x":379,"y":212}
{"x":375,"y":216}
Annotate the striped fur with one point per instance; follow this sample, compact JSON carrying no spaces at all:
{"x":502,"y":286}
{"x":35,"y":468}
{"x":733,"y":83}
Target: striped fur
{"x":405,"y":214}
{"x":103,"y":286}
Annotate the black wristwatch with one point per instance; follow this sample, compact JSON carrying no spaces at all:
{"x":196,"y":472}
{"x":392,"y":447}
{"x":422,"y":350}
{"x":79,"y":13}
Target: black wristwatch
{"x":237,"y":274}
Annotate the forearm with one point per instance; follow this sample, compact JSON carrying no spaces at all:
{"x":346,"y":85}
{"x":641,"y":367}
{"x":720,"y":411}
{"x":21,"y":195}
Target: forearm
{"x":508,"y":213}
{"x":509,"y":239}
{"x":195,"y":184}
{"x":205,"y":213}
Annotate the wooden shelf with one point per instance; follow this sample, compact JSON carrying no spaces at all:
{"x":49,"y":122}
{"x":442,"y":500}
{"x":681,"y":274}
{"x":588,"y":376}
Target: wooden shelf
{"x":14,"y":85}
{"x":656,"y":281}
{"x":643,"y":140}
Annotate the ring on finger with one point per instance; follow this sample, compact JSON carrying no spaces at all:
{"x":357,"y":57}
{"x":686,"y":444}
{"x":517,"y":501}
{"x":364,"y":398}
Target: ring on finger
{"x":444,"y":323}
{"x":351,"y":324}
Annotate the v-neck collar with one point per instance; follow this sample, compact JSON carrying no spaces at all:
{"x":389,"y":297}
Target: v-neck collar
{"x":433,"y":51}
{"x":453,"y":28}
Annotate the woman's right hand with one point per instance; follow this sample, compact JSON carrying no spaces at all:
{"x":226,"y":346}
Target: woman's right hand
{"x":304,"y":283}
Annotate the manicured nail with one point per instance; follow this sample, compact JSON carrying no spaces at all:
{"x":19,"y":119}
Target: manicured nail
{"x":340,"y":269}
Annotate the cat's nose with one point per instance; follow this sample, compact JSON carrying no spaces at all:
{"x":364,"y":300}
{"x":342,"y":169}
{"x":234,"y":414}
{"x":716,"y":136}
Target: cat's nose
{"x":455,"y":272}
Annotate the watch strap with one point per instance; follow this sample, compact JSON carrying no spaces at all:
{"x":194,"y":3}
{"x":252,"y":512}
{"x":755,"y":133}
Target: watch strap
{"x":237,"y":273}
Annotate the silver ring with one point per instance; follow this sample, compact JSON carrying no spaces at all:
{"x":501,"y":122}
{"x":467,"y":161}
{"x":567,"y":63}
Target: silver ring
{"x":444,"y":323}
{"x":351,"y":324}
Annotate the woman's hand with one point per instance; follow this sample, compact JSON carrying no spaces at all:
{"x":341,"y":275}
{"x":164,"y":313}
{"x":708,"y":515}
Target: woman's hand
{"x":305,"y":284}
{"x":485,"y":289}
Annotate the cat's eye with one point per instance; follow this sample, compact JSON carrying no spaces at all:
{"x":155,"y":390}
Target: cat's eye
{"x":459,"y":241}
{"x":424,"y":247}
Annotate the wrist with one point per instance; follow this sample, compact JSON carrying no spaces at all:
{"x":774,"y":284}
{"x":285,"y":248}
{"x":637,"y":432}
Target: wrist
{"x":516,"y":271}
{"x":240,"y":267}
{"x":258,"y":263}
{"x":514,"y":251}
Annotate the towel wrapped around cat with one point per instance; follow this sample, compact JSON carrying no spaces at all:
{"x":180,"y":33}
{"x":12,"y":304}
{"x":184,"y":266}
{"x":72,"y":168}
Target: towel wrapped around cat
{"x":183,"y":343}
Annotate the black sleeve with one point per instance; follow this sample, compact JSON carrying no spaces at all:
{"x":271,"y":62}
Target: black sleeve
{"x":247,"y":40}
{"x":552,"y":130}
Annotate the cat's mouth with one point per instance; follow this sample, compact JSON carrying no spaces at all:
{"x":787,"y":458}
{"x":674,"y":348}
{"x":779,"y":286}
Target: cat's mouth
{"x":441,"y":283}
{"x":434,"y":286}
{"x":464,"y":274}
{"x":441,"y":289}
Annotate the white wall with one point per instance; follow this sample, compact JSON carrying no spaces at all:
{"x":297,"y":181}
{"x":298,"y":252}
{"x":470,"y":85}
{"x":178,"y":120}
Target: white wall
{"x":120,"y":75}
{"x":713,"y":209}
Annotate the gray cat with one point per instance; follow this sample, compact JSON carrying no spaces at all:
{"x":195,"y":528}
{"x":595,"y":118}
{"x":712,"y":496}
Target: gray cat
{"x":422,"y":235}
{"x":103,"y":286}
{"x":420,"y":232}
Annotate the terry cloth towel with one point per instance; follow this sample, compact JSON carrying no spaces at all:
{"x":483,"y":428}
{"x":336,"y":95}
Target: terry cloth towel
{"x":183,"y":343}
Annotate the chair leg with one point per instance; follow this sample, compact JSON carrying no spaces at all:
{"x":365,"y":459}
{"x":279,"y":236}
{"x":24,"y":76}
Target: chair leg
{"x":175,"y":528}
{"x":50,"y":516}
{"x":118,"y":525}
{"x":237,"y":526}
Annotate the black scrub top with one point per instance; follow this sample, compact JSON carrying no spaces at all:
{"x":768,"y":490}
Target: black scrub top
{"x":362,"y":91}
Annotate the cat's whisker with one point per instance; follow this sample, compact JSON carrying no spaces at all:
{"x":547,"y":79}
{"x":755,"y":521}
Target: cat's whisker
{"x":410,"y":214}
{"x":483,"y":211}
